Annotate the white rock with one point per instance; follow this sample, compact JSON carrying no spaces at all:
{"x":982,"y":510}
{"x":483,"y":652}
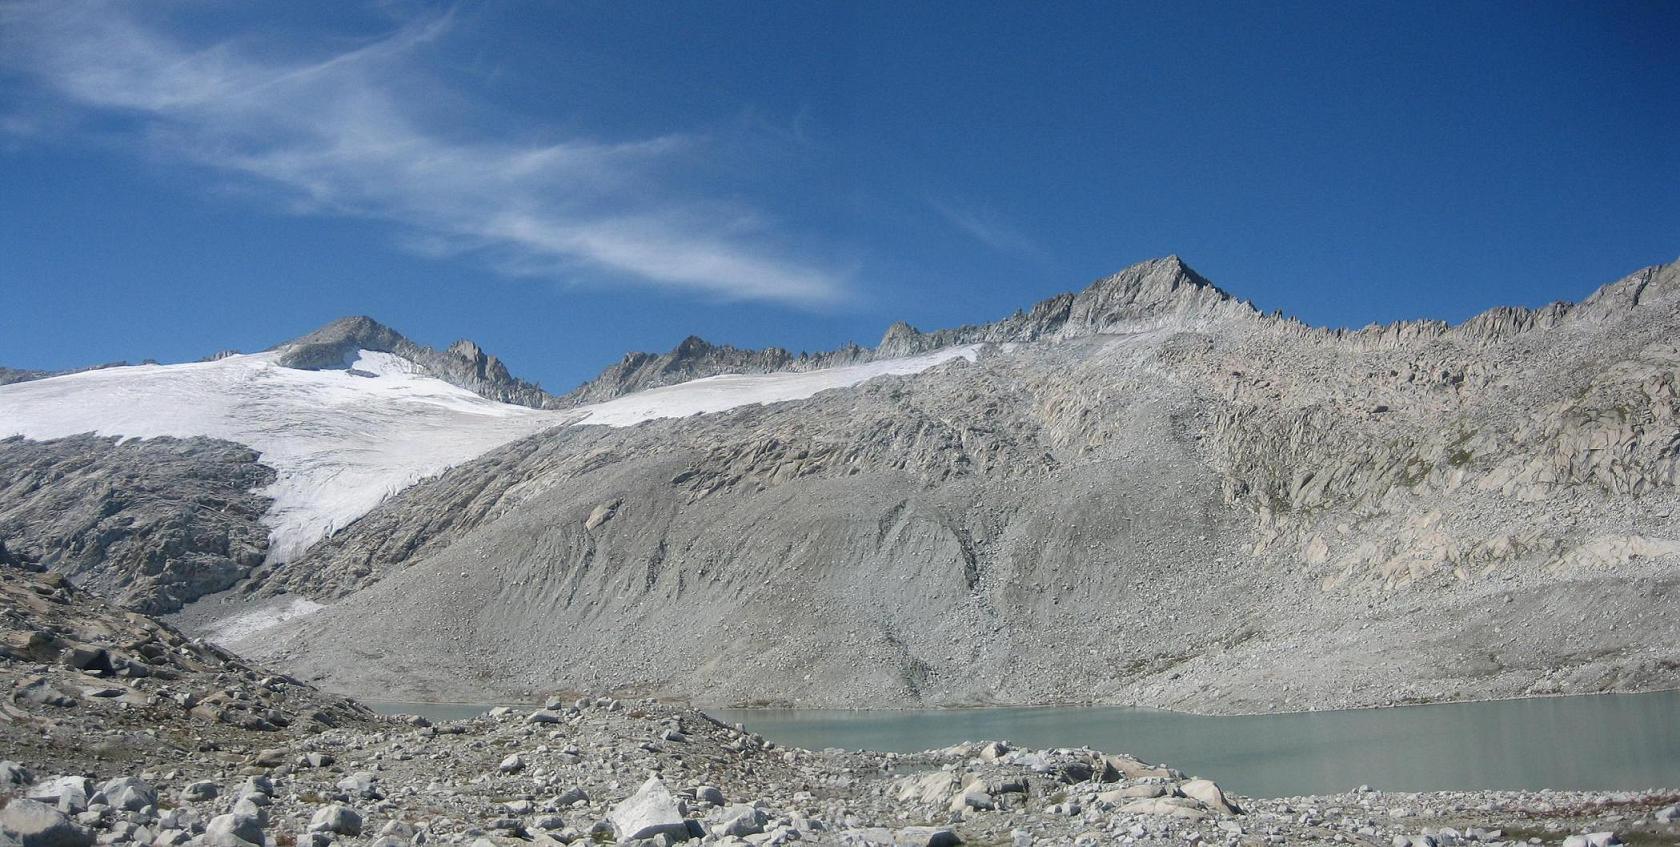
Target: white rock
{"x":233,"y":830}
{"x":649,"y":812}
{"x":1210,"y":795}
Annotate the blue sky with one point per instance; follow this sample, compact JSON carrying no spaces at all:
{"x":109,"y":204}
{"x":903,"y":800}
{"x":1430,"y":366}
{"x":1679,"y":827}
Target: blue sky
{"x":567,"y":182}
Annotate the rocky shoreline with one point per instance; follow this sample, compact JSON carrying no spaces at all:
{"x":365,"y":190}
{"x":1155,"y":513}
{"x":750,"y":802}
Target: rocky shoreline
{"x":601,"y":770}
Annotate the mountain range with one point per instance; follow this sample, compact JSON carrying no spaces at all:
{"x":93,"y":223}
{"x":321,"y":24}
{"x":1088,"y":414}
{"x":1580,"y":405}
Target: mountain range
{"x":1146,"y":491}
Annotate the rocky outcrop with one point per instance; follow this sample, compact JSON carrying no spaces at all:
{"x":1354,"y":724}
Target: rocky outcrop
{"x":149,"y":524}
{"x":463,"y":364}
{"x":11,"y":375}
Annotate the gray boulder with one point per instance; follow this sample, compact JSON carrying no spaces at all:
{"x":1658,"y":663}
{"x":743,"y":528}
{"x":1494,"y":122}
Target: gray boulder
{"x":127,"y":793}
{"x":925,"y":836}
{"x":336,"y":818}
{"x":69,"y":793}
{"x":32,"y":823}
{"x":198,"y":792}
{"x":233,"y":830}
{"x":13,"y":774}
{"x":739,"y":820}
{"x":571,"y":795}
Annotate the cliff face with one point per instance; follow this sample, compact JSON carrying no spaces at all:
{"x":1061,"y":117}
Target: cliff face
{"x":1144,"y":492}
{"x":150,"y":525}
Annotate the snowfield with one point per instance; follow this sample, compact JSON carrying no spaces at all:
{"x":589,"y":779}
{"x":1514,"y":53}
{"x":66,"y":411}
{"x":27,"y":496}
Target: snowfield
{"x":720,"y":393}
{"x":341,"y":441}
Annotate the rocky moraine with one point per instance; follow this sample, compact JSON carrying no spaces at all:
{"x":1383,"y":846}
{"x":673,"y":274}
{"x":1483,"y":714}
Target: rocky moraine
{"x":119,"y":730}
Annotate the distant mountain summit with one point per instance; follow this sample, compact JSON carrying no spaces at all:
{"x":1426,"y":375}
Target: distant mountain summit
{"x":464,"y":364}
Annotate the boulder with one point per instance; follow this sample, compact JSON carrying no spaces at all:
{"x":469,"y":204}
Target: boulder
{"x":245,"y":808}
{"x":32,"y":823}
{"x":972,"y":798}
{"x":338,"y":819}
{"x":259,"y":788}
{"x":69,"y":793}
{"x":198,"y":792}
{"x":273,"y":757}
{"x":544,"y":716}
{"x":649,"y":812}
{"x":931,"y":787}
{"x":172,"y":838}
{"x":1141,"y":791}
{"x":39,"y":691}
{"x":127,"y":793}
{"x":568,"y":797}
{"x":737,"y":821}
{"x":88,"y":658}
{"x":925,"y":836}
{"x":512,"y":764}
{"x":361,"y":784}
{"x":1178,"y":807}
{"x":1135,"y":769}
{"x":13,"y":774}
{"x":1210,"y":795}
{"x":993,"y":751}
{"x":233,"y":830}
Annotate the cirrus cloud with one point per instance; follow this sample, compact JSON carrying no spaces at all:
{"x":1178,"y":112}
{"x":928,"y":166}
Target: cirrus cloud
{"x":357,"y":133}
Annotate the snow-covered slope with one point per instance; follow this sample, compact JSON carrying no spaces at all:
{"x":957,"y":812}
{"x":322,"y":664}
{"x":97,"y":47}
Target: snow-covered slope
{"x":341,"y":441}
{"x":718,"y":393}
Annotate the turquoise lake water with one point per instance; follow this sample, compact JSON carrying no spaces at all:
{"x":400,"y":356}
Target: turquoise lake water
{"x":1605,"y":742}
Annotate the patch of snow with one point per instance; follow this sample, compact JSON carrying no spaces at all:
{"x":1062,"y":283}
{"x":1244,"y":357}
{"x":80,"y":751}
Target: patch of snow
{"x":341,"y":441}
{"x":375,"y":363}
{"x":729,"y":391}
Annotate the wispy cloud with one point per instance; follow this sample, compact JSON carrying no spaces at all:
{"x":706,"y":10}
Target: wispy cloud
{"x":356,"y":132}
{"x":986,"y":226}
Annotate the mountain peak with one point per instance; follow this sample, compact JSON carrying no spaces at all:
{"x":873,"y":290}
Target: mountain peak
{"x":464,"y":364}
{"x":335,"y":344}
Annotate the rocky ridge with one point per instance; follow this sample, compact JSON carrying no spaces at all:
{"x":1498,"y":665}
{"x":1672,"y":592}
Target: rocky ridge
{"x":1144,"y":492}
{"x":1153,"y":292}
